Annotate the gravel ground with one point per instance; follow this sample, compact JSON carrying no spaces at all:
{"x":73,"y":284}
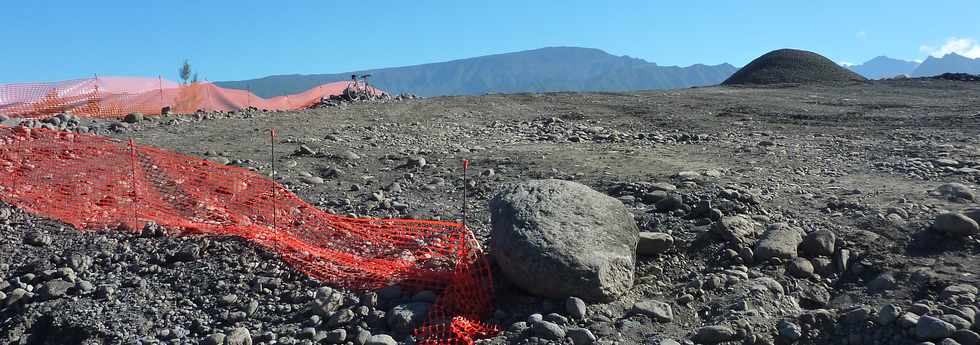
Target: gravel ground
{"x":860,"y":161}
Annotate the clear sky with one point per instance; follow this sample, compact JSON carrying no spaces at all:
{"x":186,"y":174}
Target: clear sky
{"x":241,"y":39}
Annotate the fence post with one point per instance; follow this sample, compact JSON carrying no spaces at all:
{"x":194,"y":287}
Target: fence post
{"x":275,"y":199}
{"x":98,"y":108}
{"x":160,"y":80}
{"x":136,"y":199}
{"x":466,"y":166}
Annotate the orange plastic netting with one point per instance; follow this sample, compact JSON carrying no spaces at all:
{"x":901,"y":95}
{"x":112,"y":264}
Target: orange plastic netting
{"x":95,"y":182}
{"x":116,"y":96}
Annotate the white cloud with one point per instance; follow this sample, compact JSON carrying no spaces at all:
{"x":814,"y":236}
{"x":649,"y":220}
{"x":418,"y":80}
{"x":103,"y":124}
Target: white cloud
{"x":861,"y":35}
{"x":845,"y":64}
{"x":967,"y":47}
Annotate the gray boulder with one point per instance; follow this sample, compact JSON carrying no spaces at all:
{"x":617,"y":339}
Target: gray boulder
{"x":653,"y":243}
{"x":657,"y":310}
{"x":404,"y":318}
{"x":954,"y":191}
{"x":818,"y":243}
{"x":738,"y":229}
{"x":779,"y":241}
{"x":239,"y":336}
{"x":713,"y":335}
{"x":930,"y":328}
{"x":559,"y":238}
{"x":955,"y":224}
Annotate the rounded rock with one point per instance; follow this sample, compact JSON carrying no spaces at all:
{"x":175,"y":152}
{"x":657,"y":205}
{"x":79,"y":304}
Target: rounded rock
{"x":557,"y":238}
{"x":956,"y":224}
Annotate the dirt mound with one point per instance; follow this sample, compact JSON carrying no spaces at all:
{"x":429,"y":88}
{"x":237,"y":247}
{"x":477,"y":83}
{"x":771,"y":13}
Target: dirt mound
{"x":790,"y":66}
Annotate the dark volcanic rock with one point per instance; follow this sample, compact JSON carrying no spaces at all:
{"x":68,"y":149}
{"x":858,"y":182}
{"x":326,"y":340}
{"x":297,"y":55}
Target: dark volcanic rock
{"x":558,"y":238}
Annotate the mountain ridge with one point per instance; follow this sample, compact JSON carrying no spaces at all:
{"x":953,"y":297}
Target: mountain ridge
{"x":537,"y":70}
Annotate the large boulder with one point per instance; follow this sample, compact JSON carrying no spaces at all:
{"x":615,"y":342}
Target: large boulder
{"x":558,"y":238}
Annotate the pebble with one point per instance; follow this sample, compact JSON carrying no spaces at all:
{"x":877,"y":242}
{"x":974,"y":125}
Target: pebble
{"x":713,"y":334}
{"x":215,"y":339}
{"x":239,"y":336}
{"x":548,"y":330}
{"x":800,"y":268}
{"x":653,"y":243}
{"x":657,"y":310}
{"x":966,"y":337}
{"x":381,"y":339}
{"x":336,"y":336}
{"x":888,"y":314}
{"x":580,"y":336}
{"x":37,"y":238}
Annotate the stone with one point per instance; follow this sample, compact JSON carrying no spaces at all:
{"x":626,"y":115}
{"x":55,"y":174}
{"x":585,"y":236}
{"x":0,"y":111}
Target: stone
{"x":842,"y":260}
{"x":653,"y":243}
{"x":957,"y":290}
{"x":575,"y":307}
{"x":337,"y":336}
{"x":134,"y":117}
{"x":15,"y":296}
{"x":883,"y":282}
{"x":404,"y":318}
{"x":672,"y":202}
{"x":659,"y":311}
{"x":930,"y":328}
{"x":972,"y":213}
{"x":955,"y":224}
{"x":888,"y":314}
{"x":55,"y":288}
{"x":239,"y":336}
{"x":362,"y":337}
{"x":548,"y":330}
{"x":857,"y":316}
{"x":954,"y":191}
{"x":818,"y":243}
{"x":957,"y":321}
{"x":557,"y":238}
{"x":713,"y":334}
{"x":37,"y":238}
{"x":580,"y":336}
{"x":381,"y":339}
{"x":314,"y":180}
{"x":800,"y":268}
{"x":789,"y":330}
{"x":779,"y":241}
{"x":341,"y":317}
{"x":966,"y":337}
{"x":907,"y":320}
{"x":813,"y":296}
{"x":215,"y":339}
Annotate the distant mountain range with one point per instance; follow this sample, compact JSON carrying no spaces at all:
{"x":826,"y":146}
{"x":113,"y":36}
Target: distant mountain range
{"x":885,"y":67}
{"x":539,"y":70}
{"x":565,"y":69}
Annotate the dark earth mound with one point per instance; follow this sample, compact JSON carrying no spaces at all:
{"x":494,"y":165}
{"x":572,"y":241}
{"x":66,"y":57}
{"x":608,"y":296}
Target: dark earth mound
{"x":790,"y":66}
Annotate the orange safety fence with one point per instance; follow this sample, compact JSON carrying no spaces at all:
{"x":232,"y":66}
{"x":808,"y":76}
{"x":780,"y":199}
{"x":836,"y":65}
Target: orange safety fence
{"x":118,"y":96}
{"x":95,"y":182}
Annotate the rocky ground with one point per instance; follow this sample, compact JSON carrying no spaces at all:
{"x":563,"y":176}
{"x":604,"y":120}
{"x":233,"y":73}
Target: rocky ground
{"x":820,"y":214}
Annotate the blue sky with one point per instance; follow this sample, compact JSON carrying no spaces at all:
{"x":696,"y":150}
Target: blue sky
{"x":231,"y":40}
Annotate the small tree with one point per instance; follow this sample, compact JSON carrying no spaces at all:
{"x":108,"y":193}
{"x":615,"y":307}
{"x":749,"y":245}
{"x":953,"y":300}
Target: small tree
{"x":194,"y":80}
{"x":185,"y":71}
